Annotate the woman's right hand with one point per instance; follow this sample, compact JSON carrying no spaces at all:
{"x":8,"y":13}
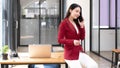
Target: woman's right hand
{"x":77,"y":42}
{"x":81,"y":24}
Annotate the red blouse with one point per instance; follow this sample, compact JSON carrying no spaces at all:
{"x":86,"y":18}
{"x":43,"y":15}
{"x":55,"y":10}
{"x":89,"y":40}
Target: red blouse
{"x":66,"y":35}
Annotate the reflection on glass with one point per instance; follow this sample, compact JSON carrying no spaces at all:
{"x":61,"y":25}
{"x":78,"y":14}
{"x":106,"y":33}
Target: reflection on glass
{"x":39,"y":22}
{"x":95,"y":25}
{"x":107,"y":37}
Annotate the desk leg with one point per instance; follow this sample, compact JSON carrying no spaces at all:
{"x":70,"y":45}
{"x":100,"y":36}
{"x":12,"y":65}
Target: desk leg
{"x":116,"y":59}
{"x":4,"y":66}
{"x":31,"y":65}
{"x":66,"y":65}
{"x":112,"y":59}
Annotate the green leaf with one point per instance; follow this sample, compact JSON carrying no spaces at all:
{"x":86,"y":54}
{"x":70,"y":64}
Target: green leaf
{"x":5,"y":49}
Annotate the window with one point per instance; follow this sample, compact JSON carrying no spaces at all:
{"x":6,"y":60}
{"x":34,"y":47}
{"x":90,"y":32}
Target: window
{"x":0,"y":22}
{"x":39,"y":22}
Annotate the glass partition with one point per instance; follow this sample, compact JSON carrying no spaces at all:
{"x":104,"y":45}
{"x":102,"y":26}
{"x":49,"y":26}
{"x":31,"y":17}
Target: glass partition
{"x":118,"y":24}
{"x":112,"y":13}
{"x":29,"y":25}
{"x":103,"y":19}
{"x":39,"y":21}
{"x":104,"y":13}
{"x":107,"y":35}
{"x":95,"y":26}
{"x":49,"y":18}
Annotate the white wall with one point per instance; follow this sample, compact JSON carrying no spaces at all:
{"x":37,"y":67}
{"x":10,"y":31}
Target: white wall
{"x":85,"y":4}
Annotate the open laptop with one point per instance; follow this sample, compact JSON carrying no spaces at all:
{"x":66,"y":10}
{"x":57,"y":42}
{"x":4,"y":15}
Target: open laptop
{"x":39,"y":50}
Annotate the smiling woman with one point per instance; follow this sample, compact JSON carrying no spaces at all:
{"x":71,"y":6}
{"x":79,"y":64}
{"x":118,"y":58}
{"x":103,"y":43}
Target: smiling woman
{"x":71,"y":33}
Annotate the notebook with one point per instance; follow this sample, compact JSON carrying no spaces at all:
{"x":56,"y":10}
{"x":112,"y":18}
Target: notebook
{"x":39,"y":51}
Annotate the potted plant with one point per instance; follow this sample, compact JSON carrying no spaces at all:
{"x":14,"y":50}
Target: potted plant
{"x":4,"y":51}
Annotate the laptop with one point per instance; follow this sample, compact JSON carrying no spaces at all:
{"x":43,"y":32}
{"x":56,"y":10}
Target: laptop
{"x":39,"y":51}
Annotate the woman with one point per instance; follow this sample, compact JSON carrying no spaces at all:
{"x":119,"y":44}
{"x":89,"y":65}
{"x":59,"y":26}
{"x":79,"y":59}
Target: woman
{"x":71,"y":32}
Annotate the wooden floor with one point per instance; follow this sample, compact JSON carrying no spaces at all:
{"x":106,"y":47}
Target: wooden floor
{"x":101,"y":62}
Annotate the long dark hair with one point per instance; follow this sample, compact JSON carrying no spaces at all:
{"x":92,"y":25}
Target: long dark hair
{"x":73,"y":6}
